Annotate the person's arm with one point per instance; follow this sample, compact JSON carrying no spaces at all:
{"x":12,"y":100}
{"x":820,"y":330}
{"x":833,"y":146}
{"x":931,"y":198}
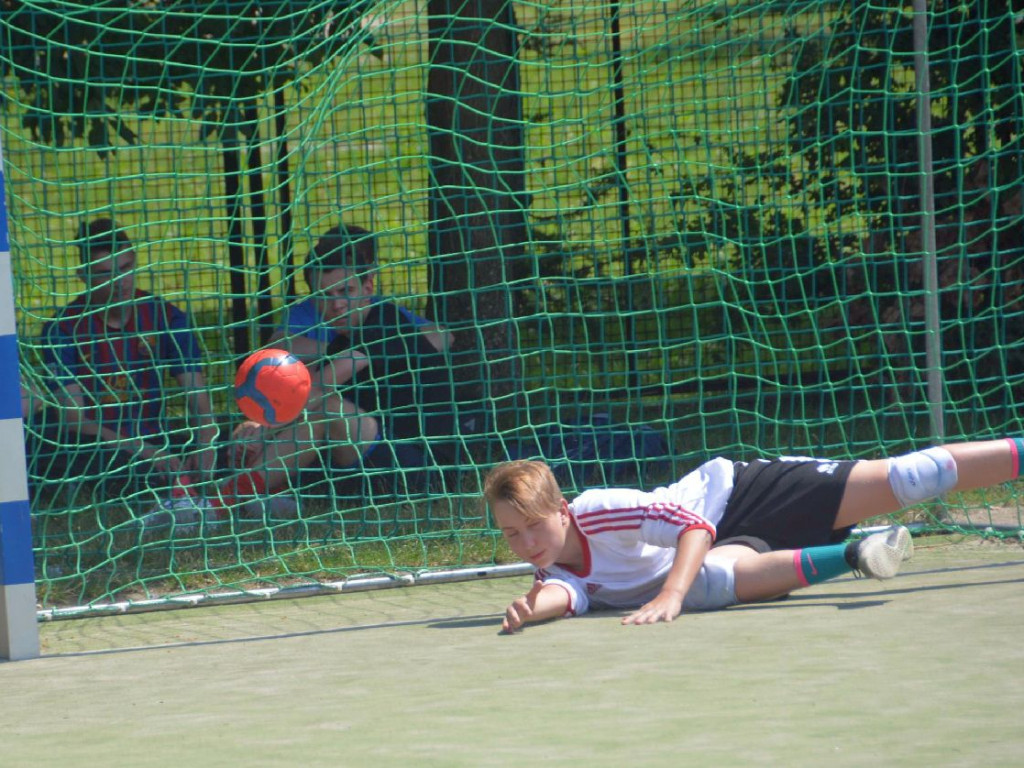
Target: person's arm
{"x":338,"y":370}
{"x":438,"y":337}
{"x":32,"y":398}
{"x":247,"y":445}
{"x":332,"y":373}
{"x":306,"y":349}
{"x":200,"y":414}
{"x":542,"y":602}
{"x":76,"y":409}
{"x":692,"y":547}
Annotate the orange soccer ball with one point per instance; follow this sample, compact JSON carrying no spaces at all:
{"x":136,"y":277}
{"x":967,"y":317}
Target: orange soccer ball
{"x":272,"y":387}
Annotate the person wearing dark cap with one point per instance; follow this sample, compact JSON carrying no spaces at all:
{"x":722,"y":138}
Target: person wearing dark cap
{"x":106,"y":354}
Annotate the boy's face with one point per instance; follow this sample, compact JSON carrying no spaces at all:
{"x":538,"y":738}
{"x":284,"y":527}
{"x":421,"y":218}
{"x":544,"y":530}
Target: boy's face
{"x":539,"y":541}
{"x":110,"y":277}
{"x":341,"y":294}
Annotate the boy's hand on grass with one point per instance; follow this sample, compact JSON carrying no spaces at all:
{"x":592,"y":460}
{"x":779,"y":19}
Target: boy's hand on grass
{"x":665,"y":607}
{"x":516,"y":615}
{"x":521,"y":610}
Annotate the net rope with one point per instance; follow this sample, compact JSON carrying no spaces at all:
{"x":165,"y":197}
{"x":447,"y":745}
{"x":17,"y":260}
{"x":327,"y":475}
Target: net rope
{"x":721,"y":244}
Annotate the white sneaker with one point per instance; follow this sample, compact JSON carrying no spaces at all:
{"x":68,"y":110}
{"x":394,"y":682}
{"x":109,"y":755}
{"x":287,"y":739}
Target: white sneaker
{"x":271,"y":508}
{"x":181,"y":516}
{"x":880,"y":555}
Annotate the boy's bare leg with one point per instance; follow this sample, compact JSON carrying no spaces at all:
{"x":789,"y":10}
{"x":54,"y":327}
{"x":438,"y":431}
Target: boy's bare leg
{"x":336,"y":423}
{"x":868,"y":492}
{"x":759,"y":576}
{"x":288,"y":450}
{"x":767,"y":576}
{"x":350,"y":434}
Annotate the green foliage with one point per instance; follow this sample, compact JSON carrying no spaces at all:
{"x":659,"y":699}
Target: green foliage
{"x":80,"y":65}
{"x":853,"y":111}
{"x":815,"y":240}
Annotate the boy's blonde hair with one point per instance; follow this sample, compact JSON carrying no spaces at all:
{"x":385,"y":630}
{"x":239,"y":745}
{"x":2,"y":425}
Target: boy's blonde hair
{"x":529,"y":486}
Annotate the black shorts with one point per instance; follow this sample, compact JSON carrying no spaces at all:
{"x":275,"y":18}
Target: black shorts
{"x":789,"y":503}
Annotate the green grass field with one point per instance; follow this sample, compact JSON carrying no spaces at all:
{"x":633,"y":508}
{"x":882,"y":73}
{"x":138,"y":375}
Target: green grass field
{"x":923,"y":670}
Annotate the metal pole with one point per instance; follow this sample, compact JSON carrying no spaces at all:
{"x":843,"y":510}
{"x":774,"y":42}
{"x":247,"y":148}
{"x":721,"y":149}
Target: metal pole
{"x":621,"y":167}
{"x":19,"y":629}
{"x":933,"y":338}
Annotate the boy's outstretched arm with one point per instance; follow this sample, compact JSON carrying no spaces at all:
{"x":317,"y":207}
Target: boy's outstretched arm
{"x":542,"y":602}
{"x":690,"y":551}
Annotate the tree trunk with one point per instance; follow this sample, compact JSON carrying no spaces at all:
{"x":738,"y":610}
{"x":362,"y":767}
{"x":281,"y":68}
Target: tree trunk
{"x":477,"y":200}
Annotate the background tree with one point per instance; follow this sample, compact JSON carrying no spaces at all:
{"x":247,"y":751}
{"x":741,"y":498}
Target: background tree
{"x":852,"y":114}
{"x":477,"y":199}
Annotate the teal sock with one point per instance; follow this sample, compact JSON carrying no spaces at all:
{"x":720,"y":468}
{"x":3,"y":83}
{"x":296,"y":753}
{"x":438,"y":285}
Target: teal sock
{"x":814,"y":565}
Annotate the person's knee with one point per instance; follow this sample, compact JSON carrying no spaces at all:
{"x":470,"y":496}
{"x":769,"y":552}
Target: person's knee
{"x":368,"y":428}
{"x":358,"y":427}
{"x":922,"y":475}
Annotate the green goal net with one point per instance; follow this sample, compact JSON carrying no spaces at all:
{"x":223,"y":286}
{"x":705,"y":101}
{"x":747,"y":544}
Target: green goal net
{"x":639,"y":234}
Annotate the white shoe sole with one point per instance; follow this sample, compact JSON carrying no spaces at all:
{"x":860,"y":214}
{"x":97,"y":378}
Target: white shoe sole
{"x":881,"y":554}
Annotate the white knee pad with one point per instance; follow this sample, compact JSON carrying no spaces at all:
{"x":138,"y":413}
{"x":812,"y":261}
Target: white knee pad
{"x":714,"y":586}
{"x":922,"y":475}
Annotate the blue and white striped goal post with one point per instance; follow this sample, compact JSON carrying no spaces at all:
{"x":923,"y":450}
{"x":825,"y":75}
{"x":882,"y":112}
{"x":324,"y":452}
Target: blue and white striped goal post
{"x":19,"y":627}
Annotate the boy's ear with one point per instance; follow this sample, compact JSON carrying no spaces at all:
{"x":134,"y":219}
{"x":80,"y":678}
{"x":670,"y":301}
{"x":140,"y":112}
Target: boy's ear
{"x":563,"y":511}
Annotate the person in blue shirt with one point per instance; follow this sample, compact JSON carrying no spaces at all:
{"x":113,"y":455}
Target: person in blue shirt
{"x":383,"y":399}
{"x":307,"y":334}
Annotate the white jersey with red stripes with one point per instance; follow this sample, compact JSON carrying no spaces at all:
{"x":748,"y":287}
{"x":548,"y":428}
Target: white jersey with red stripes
{"x":629,"y":541}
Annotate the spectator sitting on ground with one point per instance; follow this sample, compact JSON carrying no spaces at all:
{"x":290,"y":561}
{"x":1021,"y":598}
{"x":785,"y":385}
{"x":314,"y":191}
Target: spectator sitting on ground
{"x":382,"y":399}
{"x":107,"y":353}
